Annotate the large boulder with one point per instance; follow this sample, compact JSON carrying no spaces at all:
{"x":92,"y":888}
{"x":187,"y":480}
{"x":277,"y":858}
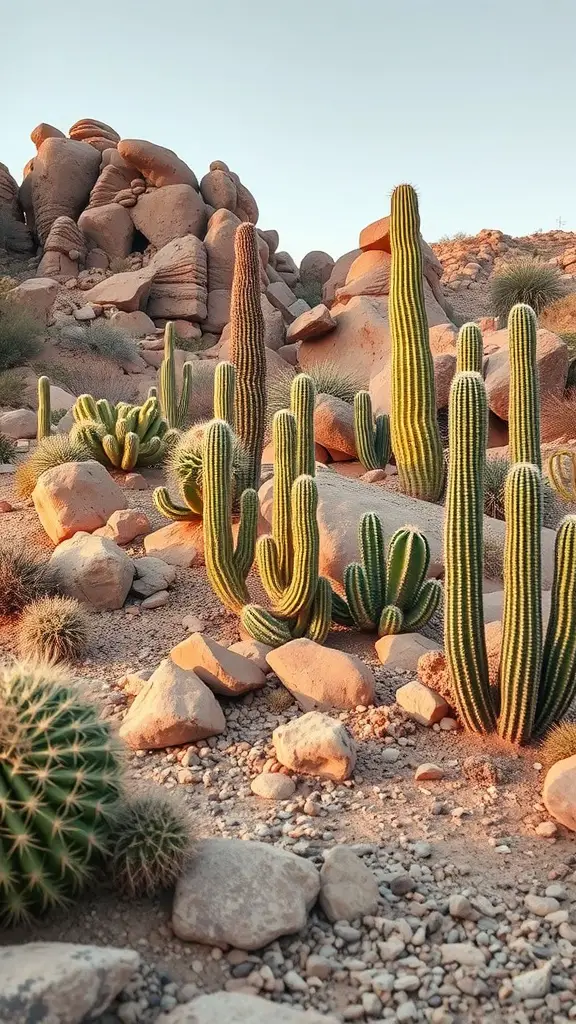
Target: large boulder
{"x":179,"y":288}
{"x":37,"y":294}
{"x":19,"y":424}
{"x":316,"y":268}
{"x":174,"y":707}
{"x":94,"y":570}
{"x":338,"y":275}
{"x":320,"y":677}
{"x":127,"y":291}
{"x":316,"y":744}
{"x":243,"y":894}
{"x":170,"y":212}
{"x":108,"y":227}
{"x":76,"y":497}
{"x":219,"y":242}
{"x":315,"y":323}
{"x":559,"y":794}
{"x":551,"y":361}
{"x":62,"y":177}
{"x":240,"y":1008}
{"x":334,"y":425}
{"x":368,"y":275}
{"x":61,"y":982}
{"x":223,"y":671}
{"x":219,"y":190}
{"x":157,"y":165}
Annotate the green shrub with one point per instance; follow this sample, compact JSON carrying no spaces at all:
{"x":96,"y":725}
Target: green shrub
{"x":14,"y":389}
{"x":152,"y":840}
{"x":328,"y":379}
{"x":8,"y":449}
{"x":494,"y":483}
{"x":310,"y":292}
{"x":20,"y":333}
{"x":102,"y":338}
{"x":23,"y":579}
{"x":525,"y":280}
{"x":53,"y":629}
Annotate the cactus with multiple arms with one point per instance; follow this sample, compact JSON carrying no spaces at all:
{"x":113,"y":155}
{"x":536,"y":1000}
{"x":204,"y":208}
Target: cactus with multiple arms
{"x":372,"y":436}
{"x":469,"y":349}
{"x":44,"y":418}
{"x":123,"y":436}
{"x":174,"y":409}
{"x":248,"y":352}
{"x":416,"y":441}
{"x":60,"y":775}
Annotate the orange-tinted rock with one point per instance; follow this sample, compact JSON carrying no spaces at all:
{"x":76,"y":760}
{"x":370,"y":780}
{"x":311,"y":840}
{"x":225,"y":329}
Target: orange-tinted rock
{"x":75,"y":497}
{"x":338,"y":276}
{"x":313,"y":324}
{"x":64,"y":250}
{"x":63,"y":176}
{"x":88,"y":129}
{"x":368,"y":275}
{"x":376,"y":236}
{"x":219,"y":242}
{"x":552,"y":363}
{"x":219,"y":190}
{"x":170,"y":212}
{"x":158,"y":166}
{"x":334,"y":425}
{"x":316,"y":267}
{"x":44,"y":131}
{"x":246,"y":206}
{"x":109,"y":228}
{"x":271,"y":238}
{"x":112,"y":180}
{"x":128,"y":291}
{"x":37,"y":294}
{"x":218,"y":313}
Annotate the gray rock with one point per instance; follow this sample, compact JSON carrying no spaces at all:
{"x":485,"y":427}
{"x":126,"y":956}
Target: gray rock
{"x":237,"y":1008}
{"x":533,"y":984}
{"x":152,"y":575}
{"x":94,"y":570}
{"x":541,"y":905}
{"x":348,"y":888}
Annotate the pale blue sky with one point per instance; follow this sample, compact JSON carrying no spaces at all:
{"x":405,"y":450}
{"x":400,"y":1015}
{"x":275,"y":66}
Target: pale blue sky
{"x":321,"y":106}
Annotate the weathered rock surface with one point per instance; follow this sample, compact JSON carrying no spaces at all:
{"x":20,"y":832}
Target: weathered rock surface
{"x":37,"y":294}
{"x":94,"y":570}
{"x":559,"y":794}
{"x":170,"y":212}
{"x":316,"y":744}
{"x":552,"y":366}
{"x":317,"y":322}
{"x":175,"y":543}
{"x":76,"y":497}
{"x":63,"y":175}
{"x":127,"y":291}
{"x":423,"y":705}
{"x":348,"y":888}
{"x":223,"y":671}
{"x":158,"y":166}
{"x":19,"y":424}
{"x":403,"y":650}
{"x":174,"y":707}
{"x":152,"y":575}
{"x":273,"y":786}
{"x":108,"y":227}
{"x":238,"y":1008}
{"x":320,"y":677}
{"x":123,"y":526}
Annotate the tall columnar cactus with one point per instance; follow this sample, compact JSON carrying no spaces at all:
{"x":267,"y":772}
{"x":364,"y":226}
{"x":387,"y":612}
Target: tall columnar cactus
{"x":44,"y":416}
{"x":60,"y":780}
{"x":174,"y":409}
{"x":227,"y":563}
{"x":416,"y":441}
{"x":372,"y":435}
{"x":558,"y":679}
{"x":389,"y":593}
{"x":524,"y":410}
{"x":469,"y":349}
{"x":248,"y":352}
{"x":464,"y":639}
{"x":302,"y":405}
{"x":122,"y":436}
{"x":224,"y":392}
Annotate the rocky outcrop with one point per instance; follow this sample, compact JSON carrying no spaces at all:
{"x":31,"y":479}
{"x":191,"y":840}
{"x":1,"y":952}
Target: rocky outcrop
{"x":179,"y":285}
{"x":157,"y":165}
{"x":63,"y":176}
{"x":166,"y":213}
{"x":108,"y":227}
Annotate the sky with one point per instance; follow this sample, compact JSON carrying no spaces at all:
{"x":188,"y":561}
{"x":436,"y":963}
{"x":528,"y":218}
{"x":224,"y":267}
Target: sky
{"x":321,"y":106}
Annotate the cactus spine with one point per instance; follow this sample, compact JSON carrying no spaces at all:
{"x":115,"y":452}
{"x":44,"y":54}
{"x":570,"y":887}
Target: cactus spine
{"x":372,"y":436}
{"x":469,"y":349}
{"x":44,"y":416}
{"x":416,"y":441}
{"x":174,"y":409}
{"x":60,"y":780}
{"x":524,"y":411}
{"x":248,"y":353}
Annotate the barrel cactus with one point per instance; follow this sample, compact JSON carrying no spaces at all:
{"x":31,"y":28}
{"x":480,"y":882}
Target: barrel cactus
{"x":122,"y":436}
{"x":60,"y":781}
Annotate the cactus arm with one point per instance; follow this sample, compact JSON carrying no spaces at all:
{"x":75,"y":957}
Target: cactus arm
{"x":168,"y":400}
{"x":264,"y":627}
{"x":361,"y":609}
{"x":371,"y":543}
{"x":391,"y":621}
{"x":153,"y":392}
{"x":408,"y":561}
{"x":382,"y":440}
{"x":464,"y":639}
{"x":247,"y":530}
{"x":558,"y":680}
{"x":414,"y":427}
{"x":372,"y":439}
{"x":340,"y":611}
{"x":248,"y":353}
{"x":284,"y":437}
{"x":562,"y":474}
{"x":224,"y":391}
{"x":302,"y":586}
{"x":147,"y":414}
{"x":130,"y":452}
{"x":269,"y":569}
{"x":302,"y":405}
{"x":182,"y":407}
{"x":84,"y":408}
{"x":170,"y":509}
{"x":44,"y":420}
{"x":524,"y":411}
{"x":154,"y":428}
{"x":112,"y":449}
{"x":424,"y":606}
{"x":469,"y":349}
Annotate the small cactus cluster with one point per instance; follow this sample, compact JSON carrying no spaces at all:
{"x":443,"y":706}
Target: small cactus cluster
{"x":174,"y":408}
{"x":152,"y":839}
{"x":388,"y":592}
{"x":44,"y":412}
{"x":122,"y":436}
{"x":60,"y":781}
{"x":371,"y":434}
{"x":537,"y":673}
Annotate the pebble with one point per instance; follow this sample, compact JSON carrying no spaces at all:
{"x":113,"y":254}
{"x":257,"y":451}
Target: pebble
{"x":548,"y":829}
{"x":541,"y":905}
{"x":428,"y":771}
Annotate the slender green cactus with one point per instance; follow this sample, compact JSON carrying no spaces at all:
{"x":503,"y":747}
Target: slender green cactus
{"x":388,"y":593}
{"x":44,"y":418}
{"x":372,"y":437}
{"x":248,"y":353}
{"x":174,"y":409}
{"x":416,"y":441}
{"x":122,"y":436}
{"x":302,"y":405}
{"x":469,"y":349}
{"x":464,"y":639}
{"x":60,"y":780}
{"x":227,"y":564}
{"x":224,"y":392}
{"x":524,"y":411}
{"x":558,"y":680}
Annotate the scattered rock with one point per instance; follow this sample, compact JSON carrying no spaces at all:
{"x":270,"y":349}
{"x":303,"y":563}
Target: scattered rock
{"x":559,"y":793}
{"x":320,"y":677}
{"x":316,"y":744}
{"x":225,"y":672}
{"x":19,"y":423}
{"x":313,"y":324}
{"x":124,"y":526}
{"x":153,"y":575}
{"x":541,"y":905}
{"x":239,"y":1008}
{"x":174,"y":707}
{"x":428,"y":771}
{"x":273,"y":786}
{"x":157,"y":600}
{"x":423,"y":705}
{"x":402,"y":650}
{"x":174,"y":543}
{"x":533,"y":984}
{"x":254,"y":651}
{"x":348,"y":888}
{"x":94,"y":570}
{"x":464,"y":953}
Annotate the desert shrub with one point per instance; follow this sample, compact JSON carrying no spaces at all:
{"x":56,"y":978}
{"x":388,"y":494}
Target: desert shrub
{"x":90,"y":375}
{"x":23,"y":579}
{"x":493,"y":559}
{"x":559,"y":743}
{"x":8,"y":449}
{"x":56,"y":415}
{"x":558,"y":418}
{"x":328,"y":378}
{"x":458,"y":236}
{"x":20,"y":333}
{"x":7,"y":284}
{"x":560,"y":317}
{"x":14,"y":388}
{"x":152,"y":840}
{"x":525,"y":280}
{"x":101,"y":338}
{"x":51,"y":451}
{"x":311,"y":292}
{"x":53,"y":629}
{"x":494,"y":481}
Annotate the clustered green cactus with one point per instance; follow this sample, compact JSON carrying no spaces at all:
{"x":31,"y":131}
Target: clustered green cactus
{"x":416,"y":441}
{"x":174,"y":408}
{"x":537,"y":677}
{"x":122,"y":436}
{"x":44,"y":414}
{"x":371,"y":434}
{"x":60,"y":779}
{"x":389,"y":592}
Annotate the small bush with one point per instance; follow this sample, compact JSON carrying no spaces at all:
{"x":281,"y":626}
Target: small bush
{"x":8,"y":449}
{"x":328,"y":378}
{"x":101,"y":338}
{"x":20,"y":334}
{"x":152,"y":840}
{"x":560,"y":316}
{"x":53,"y":629}
{"x":90,"y":375}
{"x":559,"y":743}
{"x":525,"y":280}
{"x":278,"y":700}
{"x":494,"y":483}
{"x":14,"y":389}
{"x":56,"y":415}
{"x":51,"y":451}
{"x":558,"y":418}
{"x":23,"y":579}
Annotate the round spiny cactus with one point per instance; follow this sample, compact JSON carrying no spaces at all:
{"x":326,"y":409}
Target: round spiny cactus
{"x":53,"y":629}
{"x":60,"y":780}
{"x":152,"y":840}
{"x":278,"y":700}
{"x":559,"y":743}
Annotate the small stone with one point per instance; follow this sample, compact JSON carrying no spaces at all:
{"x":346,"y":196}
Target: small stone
{"x":533,"y":984}
{"x":318,"y":967}
{"x":422,"y":849}
{"x":402,"y":884}
{"x":193,"y":624}
{"x":547,"y":829}
{"x":157,"y":600}
{"x":460,"y":907}
{"x":5,"y":506}
{"x":428,"y":772}
{"x":295,"y":982}
{"x":464,"y":953}
{"x":273,"y":786}
{"x":134,"y":482}
{"x":541,"y":905}
{"x":422,"y":704}
{"x":348,"y":888}
{"x":372,"y":1004}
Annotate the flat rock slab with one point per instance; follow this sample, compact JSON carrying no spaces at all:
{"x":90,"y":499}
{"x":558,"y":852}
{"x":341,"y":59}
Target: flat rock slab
{"x":61,"y":982}
{"x":243,"y":894}
{"x":224,"y":672}
{"x":237,"y":1008}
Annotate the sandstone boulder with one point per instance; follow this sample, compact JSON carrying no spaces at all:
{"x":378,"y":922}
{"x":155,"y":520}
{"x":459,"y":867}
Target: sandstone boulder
{"x":238,"y":1008}
{"x":334,"y":425}
{"x":423,"y":705}
{"x":44,"y":131}
{"x":316,"y":744}
{"x":219,"y":242}
{"x":368,"y":275}
{"x":152,"y":575}
{"x":255,"y":651}
{"x":320,"y":677}
{"x":37,"y":294}
{"x":19,"y":424}
{"x":127,"y":291}
{"x":176,"y":543}
{"x":62,"y":178}
{"x":243,"y":894}
{"x":88,"y":130}
{"x":404,"y":650}
{"x":219,"y":190}
{"x":225,"y":672}
{"x":273,"y":786}
{"x":313,"y":324}
{"x":552,"y":364}
{"x":157,"y":165}
{"x":170,"y":212}
{"x":108,"y":227}
{"x":218,"y":310}
{"x":137,"y":324}
{"x":94,"y":570}
{"x":124,"y":526}
{"x":75,"y":497}
{"x":348,"y":889}
{"x":559,"y":794}
{"x":179,"y":288}
{"x":338,"y":276}
{"x":174,"y":707}
{"x":316,"y":268}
